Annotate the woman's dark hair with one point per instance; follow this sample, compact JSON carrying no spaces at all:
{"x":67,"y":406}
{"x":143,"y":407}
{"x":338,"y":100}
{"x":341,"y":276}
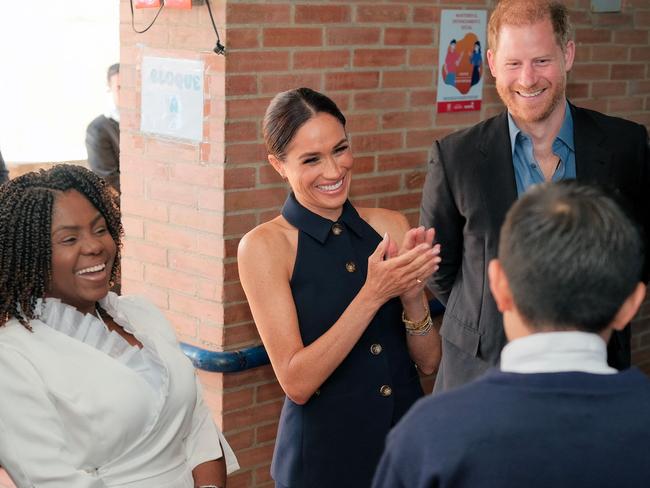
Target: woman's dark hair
{"x":288,"y":111}
{"x":26,"y":205}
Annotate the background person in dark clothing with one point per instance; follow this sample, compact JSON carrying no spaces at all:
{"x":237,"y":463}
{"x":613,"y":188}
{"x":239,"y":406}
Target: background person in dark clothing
{"x":103,"y":135}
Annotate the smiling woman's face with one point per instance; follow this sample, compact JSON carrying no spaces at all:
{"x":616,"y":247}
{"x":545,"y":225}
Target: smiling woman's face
{"x":318,"y":165}
{"x":83,"y":252}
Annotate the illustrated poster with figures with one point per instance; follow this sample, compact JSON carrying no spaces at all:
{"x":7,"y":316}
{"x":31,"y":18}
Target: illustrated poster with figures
{"x":461,"y":60}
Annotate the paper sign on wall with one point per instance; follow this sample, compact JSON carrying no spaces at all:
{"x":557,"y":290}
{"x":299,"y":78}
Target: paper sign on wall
{"x":461,"y":60}
{"x":172,"y":98}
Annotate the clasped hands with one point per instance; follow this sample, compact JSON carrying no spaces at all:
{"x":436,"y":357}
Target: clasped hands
{"x":403,"y":271}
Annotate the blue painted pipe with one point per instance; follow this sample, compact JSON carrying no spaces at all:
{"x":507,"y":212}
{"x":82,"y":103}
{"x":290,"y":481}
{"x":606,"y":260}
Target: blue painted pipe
{"x":251,"y":357}
{"x":226,"y":361}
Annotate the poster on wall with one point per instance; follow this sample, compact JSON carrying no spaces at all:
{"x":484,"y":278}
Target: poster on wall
{"x":461,"y":60}
{"x":172,"y":98}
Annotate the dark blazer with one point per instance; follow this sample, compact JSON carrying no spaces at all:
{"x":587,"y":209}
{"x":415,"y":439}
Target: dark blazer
{"x":103,"y":145}
{"x":470,"y":185}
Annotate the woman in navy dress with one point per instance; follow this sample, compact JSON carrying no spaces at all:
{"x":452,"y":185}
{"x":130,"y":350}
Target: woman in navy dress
{"x":337,"y":296}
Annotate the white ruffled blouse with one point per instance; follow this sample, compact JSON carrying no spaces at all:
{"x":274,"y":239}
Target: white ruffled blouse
{"x":82,"y":408}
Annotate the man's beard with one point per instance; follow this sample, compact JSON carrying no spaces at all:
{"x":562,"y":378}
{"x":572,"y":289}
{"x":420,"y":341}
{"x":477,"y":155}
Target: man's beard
{"x":510,"y":98}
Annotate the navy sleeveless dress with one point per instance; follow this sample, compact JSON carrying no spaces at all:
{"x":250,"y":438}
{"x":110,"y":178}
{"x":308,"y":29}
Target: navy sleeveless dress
{"x":337,"y":437}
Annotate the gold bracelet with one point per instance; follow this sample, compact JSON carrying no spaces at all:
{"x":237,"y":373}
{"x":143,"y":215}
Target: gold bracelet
{"x":422,"y":331}
{"x":413,"y":325}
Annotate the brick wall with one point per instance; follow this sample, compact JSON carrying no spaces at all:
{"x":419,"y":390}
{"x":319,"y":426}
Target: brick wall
{"x":186,"y":206}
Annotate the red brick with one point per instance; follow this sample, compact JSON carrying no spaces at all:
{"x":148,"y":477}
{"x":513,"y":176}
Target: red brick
{"x":321,"y":59}
{"x":251,"y":416}
{"x":631,"y":36}
{"x":241,"y":131}
{"x":172,"y":192}
{"x":459,"y":119}
{"x":407,"y":79}
{"x":364,"y":164}
{"x":197,"y":174}
{"x":256,"y":13}
{"x":171,"y":236}
{"x":237,"y":312}
{"x":209,"y":289}
{"x":133,"y":226}
{"x":194,"y":307}
{"x":233,"y":400}
{"x":404,"y":160}
{"x":255,"y":455}
{"x":244,"y":38}
{"x":640,"y":87}
{"x":230,"y":247}
{"x":425,"y":137}
{"x":595,"y":36}
{"x":408,"y":36}
{"x":211,"y":334}
{"x":379,"y":57}
{"x":133,"y":185}
{"x":196,"y":264}
{"x":386,"y":141}
{"x":414,"y":180}
{"x":143,"y":208}
{"x":640,"y":54}
{"x":196,"y":219}
{"x":293,"y":37}
{"x":249,"y":199}
{"x":263,"y":374}
{"x":157,"y":295}
{"x":263,"y":477}
{"x":132,"y":269}
{"x":339,"y":36}
{"x":423,"y":98}
{"x":241,"y":479}
{"x":400,"y":202}
{"x":256,"y":61}
{"x":160,"y":150}
{"x":268,"y":174}
{"x":380,"y":184}
{"x":246,"y":108}
{"x":577,"y":90}
{"x":429,"y":15}
{"x":382,"y":13}
{"x":380,"y":100}
{"x":276,"y":83}
{"x":362,"y":123}
{"x":608,"y":88}
{"x":609,"y":53}
{"x":241,"y":440}
{"x":239,"y":178}
{"x":242,"y":335}
{"x":145,"y":252}
{"x":210,"y":199}
{"x":266,"y":433}
{"x":628,"y":71}
{"x":423,"y":56}
{"x":321,"y":14}
{"x":351,"y":81}
{"x":183,"y":325}
{"x":245,"y":153}
{"x":233,"y":292}
{"x":626,"y":104}
{"x":585,"y":72}
{"x":168,"y":278}
{"x":404,"y":120}
{"x":642,"y":18}
{"x":269,"y":391}
{"x":241,"y":84}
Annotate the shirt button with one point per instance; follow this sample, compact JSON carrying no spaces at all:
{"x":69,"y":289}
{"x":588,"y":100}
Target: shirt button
{"x":350,"y":266}
{"x":385,"y":391}
{"x":375,"y":349}
{"x":337,"y":229}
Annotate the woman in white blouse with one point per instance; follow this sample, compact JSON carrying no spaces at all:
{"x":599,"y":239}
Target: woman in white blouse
{"x":94,"y":390}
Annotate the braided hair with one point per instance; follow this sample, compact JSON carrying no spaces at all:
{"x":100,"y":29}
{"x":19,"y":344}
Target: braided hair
{"x":26,"y":206}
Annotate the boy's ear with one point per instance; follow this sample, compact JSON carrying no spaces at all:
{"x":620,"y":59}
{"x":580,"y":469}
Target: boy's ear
{"x":629,"y":308}
{"x":500,"y":287}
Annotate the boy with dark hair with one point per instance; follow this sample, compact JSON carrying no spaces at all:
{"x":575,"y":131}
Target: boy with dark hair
{"x":568,"y":274}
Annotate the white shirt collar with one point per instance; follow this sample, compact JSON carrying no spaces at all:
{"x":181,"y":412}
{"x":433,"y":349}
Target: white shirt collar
{"x":554,"y":352}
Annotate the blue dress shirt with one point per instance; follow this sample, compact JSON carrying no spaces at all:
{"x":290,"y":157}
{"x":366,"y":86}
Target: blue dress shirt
{"x":527,"y":170}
